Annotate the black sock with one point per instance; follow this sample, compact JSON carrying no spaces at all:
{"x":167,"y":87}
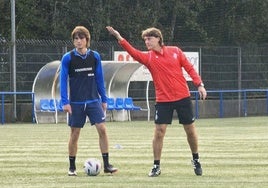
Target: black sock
{"x":195,"y":156}
{"x":157,"y":162}
{"x":72,"y":162}
{"x":105,"y":157}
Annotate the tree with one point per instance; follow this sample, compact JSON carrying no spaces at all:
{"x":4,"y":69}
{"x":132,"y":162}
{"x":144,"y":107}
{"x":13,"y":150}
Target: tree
{"x":219,"y":22}
{"x":5,"y":24}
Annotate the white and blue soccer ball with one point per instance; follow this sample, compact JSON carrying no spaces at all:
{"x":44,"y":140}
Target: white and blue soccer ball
{"x":92,"y":167}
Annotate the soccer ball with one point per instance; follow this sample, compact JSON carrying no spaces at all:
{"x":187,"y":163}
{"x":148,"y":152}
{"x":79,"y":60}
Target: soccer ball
{"x":92,"y":166}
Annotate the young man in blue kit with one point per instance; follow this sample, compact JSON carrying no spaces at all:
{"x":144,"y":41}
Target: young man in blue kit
{"x":81,"y":74}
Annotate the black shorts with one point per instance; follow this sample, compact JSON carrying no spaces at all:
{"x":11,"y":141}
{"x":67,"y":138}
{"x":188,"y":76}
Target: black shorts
{"x":184,"y":108}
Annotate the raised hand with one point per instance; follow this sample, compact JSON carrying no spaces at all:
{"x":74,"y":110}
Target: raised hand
{"x":114,"y":32}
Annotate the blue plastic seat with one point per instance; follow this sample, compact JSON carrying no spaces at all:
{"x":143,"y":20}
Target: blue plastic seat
{"x":111,"y":107}
{"x":52,"y":103}
{"x":44,"y":105}
{"x":119,"y":104}
{"x":59,"y":105}
{"x":47,"y":105}
{"x":110,"y":104}
{"x":129,"y":105}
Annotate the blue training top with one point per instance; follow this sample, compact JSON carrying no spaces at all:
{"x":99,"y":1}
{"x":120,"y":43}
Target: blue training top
{"x":86,"y":82}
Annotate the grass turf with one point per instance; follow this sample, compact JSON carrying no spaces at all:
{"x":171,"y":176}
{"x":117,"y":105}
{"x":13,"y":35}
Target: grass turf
{"x":233,"y":153}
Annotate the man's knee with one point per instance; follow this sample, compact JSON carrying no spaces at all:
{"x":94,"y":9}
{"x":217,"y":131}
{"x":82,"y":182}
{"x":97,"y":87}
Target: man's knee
{"x":101,"y":129}
{"x":189,"y":129}
{"x":160,"y":131}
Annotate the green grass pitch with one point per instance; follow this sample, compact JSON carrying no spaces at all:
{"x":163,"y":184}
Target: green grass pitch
{"x":233,"y":153}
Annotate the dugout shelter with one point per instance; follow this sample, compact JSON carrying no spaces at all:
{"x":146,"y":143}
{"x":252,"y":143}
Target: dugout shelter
{"x":117,"y":77}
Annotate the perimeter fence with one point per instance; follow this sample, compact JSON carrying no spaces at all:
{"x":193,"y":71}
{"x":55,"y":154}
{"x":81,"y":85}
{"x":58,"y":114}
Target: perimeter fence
{"x":221,"y":67}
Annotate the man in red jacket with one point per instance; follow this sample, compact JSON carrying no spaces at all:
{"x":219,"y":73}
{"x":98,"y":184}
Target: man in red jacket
{"x":165,"y":64}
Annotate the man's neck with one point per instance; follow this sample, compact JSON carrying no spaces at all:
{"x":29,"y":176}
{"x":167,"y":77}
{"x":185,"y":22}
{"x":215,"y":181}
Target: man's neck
{"x":81,"y":51}
{"x":158,"y":49}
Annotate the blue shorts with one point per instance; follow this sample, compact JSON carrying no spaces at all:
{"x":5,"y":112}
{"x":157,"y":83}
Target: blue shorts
{"x":164,"y":112}
{"x":92,"y":110}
